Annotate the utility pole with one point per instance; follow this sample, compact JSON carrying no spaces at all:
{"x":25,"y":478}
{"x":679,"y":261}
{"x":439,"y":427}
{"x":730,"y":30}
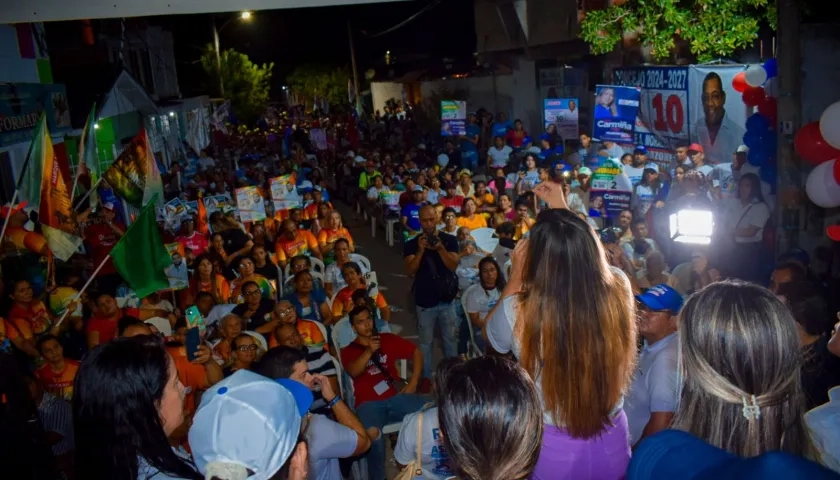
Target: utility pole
{"x":355,"y":71}
{"x":218,"y":59}
{"x":789,"y":188}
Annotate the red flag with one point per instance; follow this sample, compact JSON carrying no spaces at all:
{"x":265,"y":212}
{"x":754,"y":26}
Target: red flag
{"x":201,"y":221}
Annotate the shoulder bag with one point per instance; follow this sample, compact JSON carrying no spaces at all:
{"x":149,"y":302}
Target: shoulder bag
{"x":413,"y":469}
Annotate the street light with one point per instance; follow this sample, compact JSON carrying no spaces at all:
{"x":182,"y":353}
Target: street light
{"x":246,"y":15}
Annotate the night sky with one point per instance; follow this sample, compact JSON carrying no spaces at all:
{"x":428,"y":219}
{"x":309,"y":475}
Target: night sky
{"x":319,"y":35}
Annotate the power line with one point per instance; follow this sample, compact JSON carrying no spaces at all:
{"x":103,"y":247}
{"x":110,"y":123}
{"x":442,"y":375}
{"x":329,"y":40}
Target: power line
{"x":404,"y":22}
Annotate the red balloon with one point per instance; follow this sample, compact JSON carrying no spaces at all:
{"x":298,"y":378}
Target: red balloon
{"x":811,"y":146}
{"x":768,"y":109}
{"x":739,"y":82}
{"x":836,"y":172}
{"x":753,"y":96}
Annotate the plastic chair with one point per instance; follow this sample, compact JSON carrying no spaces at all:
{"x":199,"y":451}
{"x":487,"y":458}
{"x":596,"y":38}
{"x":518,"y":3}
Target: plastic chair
{"x":475,"y":351}
{"x":317,"y":267}
{"x":315,"y":276}
{"x":362,"y":260}
{"x":506,"y":270}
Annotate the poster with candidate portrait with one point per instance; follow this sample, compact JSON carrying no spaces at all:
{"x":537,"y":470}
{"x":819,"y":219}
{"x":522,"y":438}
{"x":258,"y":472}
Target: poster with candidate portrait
{"x":250,"y":204}
{"x":611,"y":190}
{"x":718,"y":115}
{"x":616,"y":109}
{"x":453,"y":118}
{"x":562,"y":112}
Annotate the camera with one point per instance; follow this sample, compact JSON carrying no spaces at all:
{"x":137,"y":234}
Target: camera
{"x":433,"y":241}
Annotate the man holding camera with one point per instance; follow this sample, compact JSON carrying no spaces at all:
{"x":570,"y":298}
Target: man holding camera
{"x":432,"y":259}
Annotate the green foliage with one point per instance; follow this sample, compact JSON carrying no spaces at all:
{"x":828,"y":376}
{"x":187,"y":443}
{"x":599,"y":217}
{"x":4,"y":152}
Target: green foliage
{"x":306,"y":81}
{"x":713,"y":28}
{"x":245,"y":83}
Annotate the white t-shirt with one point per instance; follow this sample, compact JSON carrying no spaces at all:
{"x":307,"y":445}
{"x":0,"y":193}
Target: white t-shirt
{"x":740,"y":216}
{"x":333,"y":275}
{"x":723,"y":177}
{"x":642,"y":199}
{"x":433,"y":456}
{"x":655,"y":386}
{"x":499,"y":157}
{"x":373,"y":192}
{"x":481,"y":301}
{"x":634,"y":174}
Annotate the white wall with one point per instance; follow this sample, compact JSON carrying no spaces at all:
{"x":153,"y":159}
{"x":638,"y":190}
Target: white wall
{"x":381,"y":92}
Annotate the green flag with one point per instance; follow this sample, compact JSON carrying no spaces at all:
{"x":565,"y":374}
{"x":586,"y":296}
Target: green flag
{"x":140,"y":256}
{"x":88,"y":158}
{"x":29,"y":183}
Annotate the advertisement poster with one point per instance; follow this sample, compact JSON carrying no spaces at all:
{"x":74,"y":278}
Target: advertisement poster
{"x":250,"y":204}
{"x":134,"y":175}
{"x":318,"y":137}
{"x":564,"y":113}
{"x":616,"y":109}
{"x":177,"y":272}
{"x":453,"y":118}
{"x":611,"y":190}
{"x":284,"y":193}
{"x":718,"y":115}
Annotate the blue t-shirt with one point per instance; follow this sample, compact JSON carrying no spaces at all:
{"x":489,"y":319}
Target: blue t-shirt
{"x":472,"y":131}
{"x":412,"y":213}
{"x":500,"y":129}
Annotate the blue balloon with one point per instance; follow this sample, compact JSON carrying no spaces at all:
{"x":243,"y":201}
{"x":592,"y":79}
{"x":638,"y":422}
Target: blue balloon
{"x":756,"y":157}
{"x":757,"y":123}
{"x":771,"y":67}
{"x":769,"y":174}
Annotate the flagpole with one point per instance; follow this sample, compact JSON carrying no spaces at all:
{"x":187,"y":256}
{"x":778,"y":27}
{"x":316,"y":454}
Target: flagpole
{"x":86,"y":285}
{"x":75,"y":184}
{"x":8,"y":215}
{"x":89,"y":192}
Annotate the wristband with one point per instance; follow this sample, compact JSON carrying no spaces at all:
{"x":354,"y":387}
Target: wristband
{"x":334,"y":401}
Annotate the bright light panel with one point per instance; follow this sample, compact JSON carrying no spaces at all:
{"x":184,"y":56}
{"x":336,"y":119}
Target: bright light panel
{"x":692,"y":226}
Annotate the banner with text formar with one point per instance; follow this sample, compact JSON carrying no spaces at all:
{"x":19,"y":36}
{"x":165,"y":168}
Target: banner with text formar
{"x":616,"y":109}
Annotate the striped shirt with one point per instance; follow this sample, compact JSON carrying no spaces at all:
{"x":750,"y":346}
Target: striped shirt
{"x":57,"y":416}
{"x":320,"y":362}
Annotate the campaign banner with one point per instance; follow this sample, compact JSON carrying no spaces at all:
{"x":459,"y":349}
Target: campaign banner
{"x":453,"y":118}
{"x":562,"y":112}
{"x":318,"y":137}
{"x":616,"y":109}
{"x":250,"y":204}
{"x":611,"y":189}
{"x":718,"y":115}
{"x":177,"y":273}
{"x":284,"y":193}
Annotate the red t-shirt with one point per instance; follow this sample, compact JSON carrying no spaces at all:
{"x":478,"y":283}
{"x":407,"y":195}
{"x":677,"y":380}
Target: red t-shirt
{"x":514,"y":138}
{"x":60,"y":383}
{"x":107,"y":326}
{"x":102,"y":239}
{"x":455,"y":202}
{"x":197,"y":243}
{"x":392,"y":348}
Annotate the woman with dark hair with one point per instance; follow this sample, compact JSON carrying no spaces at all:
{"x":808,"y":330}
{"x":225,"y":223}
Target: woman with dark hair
{"x":745,"y":218}
{"x":127,"y":400}
{"x":645,"y":193}
{"x":470,"y":217}
{"x":562,"y":291}
{"x":207,"y":279}
{"x":480,"y":300}
{"x":491,"y":419}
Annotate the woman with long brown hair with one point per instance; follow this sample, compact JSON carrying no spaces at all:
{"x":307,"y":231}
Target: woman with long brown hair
{"x":569,"y":318}
{"x":207,"y":279}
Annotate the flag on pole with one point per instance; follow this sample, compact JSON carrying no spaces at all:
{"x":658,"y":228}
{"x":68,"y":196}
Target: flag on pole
{"x":349,"y":91}
{"x":29,"y":183}
{"x":88,"y":155}
{"x":140,"y":256}
{"x":202,"y":224}
{"x":134,"y":175}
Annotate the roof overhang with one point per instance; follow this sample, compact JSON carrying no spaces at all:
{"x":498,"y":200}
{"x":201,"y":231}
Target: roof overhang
{"x":59,"y":10}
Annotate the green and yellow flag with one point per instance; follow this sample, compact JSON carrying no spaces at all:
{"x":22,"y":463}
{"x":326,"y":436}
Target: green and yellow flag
{"x":134,"y":174}
{"x":140,"y":255}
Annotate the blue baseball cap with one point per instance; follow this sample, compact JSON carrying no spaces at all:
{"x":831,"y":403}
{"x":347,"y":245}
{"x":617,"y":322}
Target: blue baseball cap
{"x":661,"y":297}
{"x":545,"y":136}
{"x":526,"y":140}
{"x":640,"y":148}
{"x":674,"y":454}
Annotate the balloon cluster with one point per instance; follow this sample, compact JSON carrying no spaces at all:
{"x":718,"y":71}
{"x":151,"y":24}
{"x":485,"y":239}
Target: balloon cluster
{"x":819,"y":144}
{"x":760,"y":136}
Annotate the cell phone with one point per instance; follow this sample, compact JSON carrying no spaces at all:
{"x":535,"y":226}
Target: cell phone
{"x":195,"y":319}
{"x":192,"y":342}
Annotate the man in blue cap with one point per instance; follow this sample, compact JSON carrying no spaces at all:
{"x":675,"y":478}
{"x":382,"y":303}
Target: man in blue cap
{"x":652,"y":399}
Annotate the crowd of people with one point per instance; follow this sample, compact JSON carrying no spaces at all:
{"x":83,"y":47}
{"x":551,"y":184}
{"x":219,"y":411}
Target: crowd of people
{"x":579,"y":342}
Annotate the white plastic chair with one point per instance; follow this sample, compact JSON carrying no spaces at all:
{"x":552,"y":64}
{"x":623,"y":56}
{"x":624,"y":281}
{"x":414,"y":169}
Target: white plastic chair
{"x":259,"y":339}
{"x":361,"y":260}
{"x":484,"y":239}
{"x":315,"y":276}
{"x":506,"y":270}
{"x":317,"y":267}
{"x":476,"y":352}
{"x":331,"y":300}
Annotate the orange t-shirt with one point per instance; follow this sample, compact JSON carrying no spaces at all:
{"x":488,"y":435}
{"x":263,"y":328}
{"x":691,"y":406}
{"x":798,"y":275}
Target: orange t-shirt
{"x":60,"y":383}
{"x":10,"y":332}
{"x":309,"y":332}
{"x":303,"y":244}
{"x":328,"y":235}
{"x":33,"y":321}
{"x":343,"y":303}
{"x":477,"y":222}
{"x":191,"y":375}
{"x":107,"y":326}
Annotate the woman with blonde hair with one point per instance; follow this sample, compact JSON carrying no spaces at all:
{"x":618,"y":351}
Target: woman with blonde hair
{"x":570,"y":318}
{"x":740,"y":358}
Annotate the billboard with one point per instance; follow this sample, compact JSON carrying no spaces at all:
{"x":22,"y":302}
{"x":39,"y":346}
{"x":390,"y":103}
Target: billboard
{"x":616,"y":109}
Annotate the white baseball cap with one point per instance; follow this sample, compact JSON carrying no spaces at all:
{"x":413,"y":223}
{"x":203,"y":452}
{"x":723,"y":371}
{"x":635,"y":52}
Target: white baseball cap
{"x":360,"y":159}
{"x":743,"y":149}
{"x":248,"y":422}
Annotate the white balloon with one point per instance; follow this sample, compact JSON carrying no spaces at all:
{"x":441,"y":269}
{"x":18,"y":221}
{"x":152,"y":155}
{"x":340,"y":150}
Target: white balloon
{"x":830,"y":125}
{"x":821,"y":187}
{"x":755,"y":76}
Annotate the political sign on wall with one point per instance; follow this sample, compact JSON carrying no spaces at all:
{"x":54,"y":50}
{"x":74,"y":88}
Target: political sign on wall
{"x":611,"y":189}
{"x":616,"y":109}
{"x":562,"y":112}
{"x":718,"y":115}
{"x":453,"y":118}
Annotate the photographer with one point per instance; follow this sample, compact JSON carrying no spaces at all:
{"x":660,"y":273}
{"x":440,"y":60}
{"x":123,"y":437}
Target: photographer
{"x":432,"y":260}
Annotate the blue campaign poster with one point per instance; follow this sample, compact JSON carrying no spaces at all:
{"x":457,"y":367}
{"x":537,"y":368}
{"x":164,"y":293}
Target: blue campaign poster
{"x":562,"y":112}
{"x":616,"y":109}
{"x":453,"y":118}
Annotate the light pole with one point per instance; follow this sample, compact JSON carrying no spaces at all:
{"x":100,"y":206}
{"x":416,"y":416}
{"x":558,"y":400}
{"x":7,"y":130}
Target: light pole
{"x":242,"y":16}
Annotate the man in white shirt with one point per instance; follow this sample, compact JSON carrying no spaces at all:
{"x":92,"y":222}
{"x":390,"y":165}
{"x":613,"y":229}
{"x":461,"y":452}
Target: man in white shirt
{"x":697,"y":154}
{"x":716,"y":132}
{"x":499,"y":154}
{"x":652,"y":399}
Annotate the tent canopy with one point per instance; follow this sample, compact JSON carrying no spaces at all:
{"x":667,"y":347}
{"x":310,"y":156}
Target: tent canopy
{"x":57,"y":10}
{"x":127,"y":95}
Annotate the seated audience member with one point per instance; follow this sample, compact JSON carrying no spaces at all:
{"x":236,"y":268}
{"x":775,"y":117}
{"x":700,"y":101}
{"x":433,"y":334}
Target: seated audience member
{"x":318,"y":359}
{"x":247,"y":274}
{"x":301,"y":263}
{"x":490,"y":418}
{"x":310,"y":333}
{"x":654,"y":272}
{"x":293,"y":242}
{"x":263,"y":264}
{"x":102,"y":327}
{"x":637,"y":248}
{"x":410,"y":213}
{"x":824,"y":421}
{"x":741,"y":364}
{"x":327,"y":440}
{"x":423,"y":426}
{"x":790,"y":272}
{"x":470,"y":217}
{"x":452,"y":199}
{"x":467,"y":270}
{"x":255,"y":312}
{"x":481,"y":300}
{"x":127,"y":402}
{"x":244,"y":354}
{"x":310,"y":303}
{"x":56,"y":417}
{"x":673,"y":454}
{"x":653,"y":395}
{"x":333,"y":278}
{"x":450,"y":221}
{"x":57,"y":375}
{"x":371,"y":363}
{"x":354,"y":280}
{"x":523,"y":221}
{"x":505,"y":232}
{"x":249,"y":426}
{"x":230,"y":326}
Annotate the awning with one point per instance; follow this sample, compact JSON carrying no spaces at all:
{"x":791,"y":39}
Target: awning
{"x":127,"y":95}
